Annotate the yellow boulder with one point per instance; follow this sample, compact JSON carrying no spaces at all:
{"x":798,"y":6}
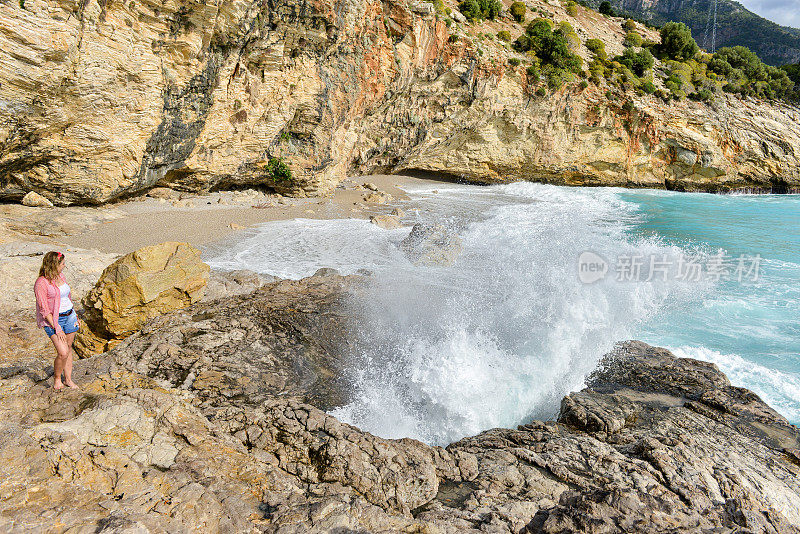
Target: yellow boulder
{"x":137,"y":287}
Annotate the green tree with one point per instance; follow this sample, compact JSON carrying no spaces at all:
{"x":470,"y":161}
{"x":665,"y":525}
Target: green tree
{"x":637,"y":62}
{"x":572,"y":8}
{"x":517,"y":11}
{"x":606,"y":9}
{"x":677,"y":42}
{"x":503,"y":35}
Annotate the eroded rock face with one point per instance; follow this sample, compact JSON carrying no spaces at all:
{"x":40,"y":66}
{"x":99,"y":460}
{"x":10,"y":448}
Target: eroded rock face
{"x":655,"y":443}
{"x":285,"y":339}
{"x":102,"y":100}
{"x":141,"y":285}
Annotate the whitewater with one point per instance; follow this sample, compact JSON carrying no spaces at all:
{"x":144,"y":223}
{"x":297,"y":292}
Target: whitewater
{"x":439,"y":353}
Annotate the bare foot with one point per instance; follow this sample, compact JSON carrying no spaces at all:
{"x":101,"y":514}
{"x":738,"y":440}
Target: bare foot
{"x":58,"y":386}
{"x":72,"y":385}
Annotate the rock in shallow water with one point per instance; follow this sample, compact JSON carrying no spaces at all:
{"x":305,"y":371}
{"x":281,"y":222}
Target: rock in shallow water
{"x":387,"y":222}
{"x":431,"y":244}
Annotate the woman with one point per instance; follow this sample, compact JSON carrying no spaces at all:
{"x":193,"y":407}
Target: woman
{"x":55,"y":313}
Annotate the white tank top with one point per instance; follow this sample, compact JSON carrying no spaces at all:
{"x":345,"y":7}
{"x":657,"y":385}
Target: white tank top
{"x":66,"y":304}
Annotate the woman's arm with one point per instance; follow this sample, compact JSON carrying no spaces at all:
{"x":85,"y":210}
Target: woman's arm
{"x":40,"y":290}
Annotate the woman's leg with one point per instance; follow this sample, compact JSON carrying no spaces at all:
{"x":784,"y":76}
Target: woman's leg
{"x":61,"y":359}
{"x":68,"y":363}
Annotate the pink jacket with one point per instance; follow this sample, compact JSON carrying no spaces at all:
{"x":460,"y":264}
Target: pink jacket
{"x":48,"y":299}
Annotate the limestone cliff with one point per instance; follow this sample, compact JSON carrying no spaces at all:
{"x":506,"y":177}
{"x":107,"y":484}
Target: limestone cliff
{"x":100,"y":99}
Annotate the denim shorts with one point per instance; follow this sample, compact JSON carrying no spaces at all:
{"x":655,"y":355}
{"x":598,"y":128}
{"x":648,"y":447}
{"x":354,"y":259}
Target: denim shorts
{"x":68,"y":323}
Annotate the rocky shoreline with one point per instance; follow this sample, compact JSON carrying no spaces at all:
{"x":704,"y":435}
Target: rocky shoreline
{"x":211,"y":419}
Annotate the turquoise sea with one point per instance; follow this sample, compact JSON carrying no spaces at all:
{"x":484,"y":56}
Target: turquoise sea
{"x":751,"y":329}
{"x":500,"y":336}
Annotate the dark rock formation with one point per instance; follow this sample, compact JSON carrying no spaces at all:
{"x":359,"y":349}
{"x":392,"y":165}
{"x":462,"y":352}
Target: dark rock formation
{"x":283,"y":340}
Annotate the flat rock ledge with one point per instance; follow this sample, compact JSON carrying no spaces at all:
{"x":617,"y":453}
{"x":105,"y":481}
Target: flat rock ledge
{"x":209,"y":420}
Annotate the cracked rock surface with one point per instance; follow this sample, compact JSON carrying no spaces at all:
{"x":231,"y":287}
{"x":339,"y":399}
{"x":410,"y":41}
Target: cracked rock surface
{"x":209,"y":420}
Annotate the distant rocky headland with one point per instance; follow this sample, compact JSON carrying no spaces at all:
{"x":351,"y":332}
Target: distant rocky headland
{"x":210,"y":419}
{"x":102,"y":100}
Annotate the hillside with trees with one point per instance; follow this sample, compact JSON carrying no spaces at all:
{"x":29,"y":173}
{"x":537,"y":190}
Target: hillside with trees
{"x":736,"y":26}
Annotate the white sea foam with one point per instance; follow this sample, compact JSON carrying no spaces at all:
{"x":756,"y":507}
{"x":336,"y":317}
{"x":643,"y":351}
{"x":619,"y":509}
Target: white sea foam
{"x":498,"y":338}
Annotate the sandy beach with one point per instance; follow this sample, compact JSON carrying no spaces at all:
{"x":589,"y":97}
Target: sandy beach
{"x":201,"y":219}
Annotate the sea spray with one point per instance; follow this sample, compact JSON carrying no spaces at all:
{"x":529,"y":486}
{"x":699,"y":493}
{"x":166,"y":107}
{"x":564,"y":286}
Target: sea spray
{"x":501,"y":336}
{"x":439,"y":353}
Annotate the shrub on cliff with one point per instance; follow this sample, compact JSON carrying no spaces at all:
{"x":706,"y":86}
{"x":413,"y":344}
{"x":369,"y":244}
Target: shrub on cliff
{"x":470,"y":9}
{"x":503,"y":35}
{"x":629,"y":25}
{"x":597,"y":70}
{"x":572,"y":8}
{"x":793,"y":71}
{"x":620,"y":75}
{"x":598,"y":48}
{"x":648,"y":87}
{"x":633,"y":39}
{"x":279,"y":171}
{"x":552,"y":50}
{"x":438,"y":5}
{"x":517,"y":11}
{"x":551,"y":47}
{"x":480,"y":9}
{"x":637,"y":62}
{"x":745,"y":73}
{"x":533,"y":74}
{"x":703,"y":95}
{"x":674,"y":85}
{"x":606,"y":9}
{"x":677,"y":42}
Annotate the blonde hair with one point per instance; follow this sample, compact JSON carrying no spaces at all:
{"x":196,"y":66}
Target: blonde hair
{"x":49,"y":268}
